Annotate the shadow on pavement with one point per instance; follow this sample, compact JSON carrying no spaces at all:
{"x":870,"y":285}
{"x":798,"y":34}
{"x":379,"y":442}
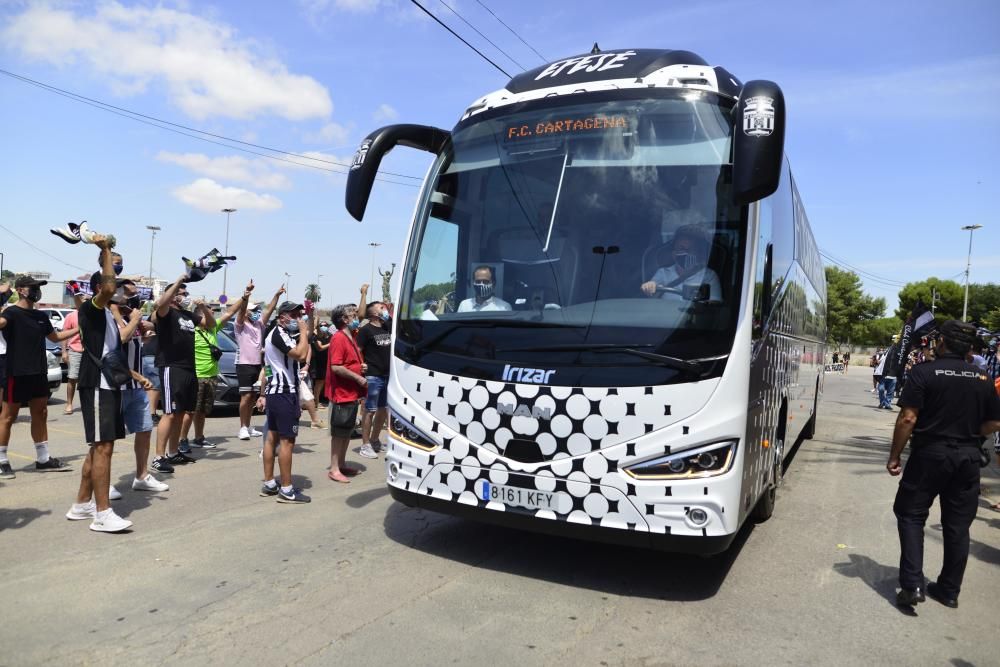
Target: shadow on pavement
{"x":359,"y":500}
{"x":135,"y":500}
{"x":880,"y":578}
{"x":11,"y":519}
{"x":601,"y":567}
{"x":978,"y":550}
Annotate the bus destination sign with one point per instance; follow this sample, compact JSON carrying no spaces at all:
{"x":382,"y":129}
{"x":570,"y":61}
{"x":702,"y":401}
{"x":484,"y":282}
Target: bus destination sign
{"x":566,"y":126}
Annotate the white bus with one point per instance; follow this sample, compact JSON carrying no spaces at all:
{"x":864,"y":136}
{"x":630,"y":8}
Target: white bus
{"x":611,"y":316}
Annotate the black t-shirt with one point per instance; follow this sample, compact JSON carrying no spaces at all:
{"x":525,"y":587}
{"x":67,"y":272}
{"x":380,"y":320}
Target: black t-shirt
{"x":175,"y":332}
{"x":375,"y":344}
{"x":99,"y":335}
{"x":953,"y":397}
{"x":317,"y":367}
{"x":25,"y":332}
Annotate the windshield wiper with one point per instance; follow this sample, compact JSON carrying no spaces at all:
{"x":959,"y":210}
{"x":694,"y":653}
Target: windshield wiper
{"x":691,"y":366}
{"x":416,"y":349}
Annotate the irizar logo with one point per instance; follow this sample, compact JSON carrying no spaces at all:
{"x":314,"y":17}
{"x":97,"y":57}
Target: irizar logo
{"x":359,"y":157}
{"x":515,"y":410}
{"x":532,"y":375}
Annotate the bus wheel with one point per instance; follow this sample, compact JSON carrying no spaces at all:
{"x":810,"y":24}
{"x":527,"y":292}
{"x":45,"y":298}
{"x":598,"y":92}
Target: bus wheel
{"x":765,"y":506}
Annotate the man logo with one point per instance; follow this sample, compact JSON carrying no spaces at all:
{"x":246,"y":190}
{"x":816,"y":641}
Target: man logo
{"x":515,"y":410}
{"x":532,"y":375}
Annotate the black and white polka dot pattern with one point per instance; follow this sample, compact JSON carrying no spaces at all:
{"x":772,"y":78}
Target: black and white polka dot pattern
{"x":590,"y":433}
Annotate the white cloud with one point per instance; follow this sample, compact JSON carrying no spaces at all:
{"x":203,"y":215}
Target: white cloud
{"x":232,"y":168}
{"x":331,"y":133}
{"x":385,"y":113}
{"x":319,"y":159}
{"x":207,"y":195}
{"x":316,"y":7}
{"x":207,"y":69}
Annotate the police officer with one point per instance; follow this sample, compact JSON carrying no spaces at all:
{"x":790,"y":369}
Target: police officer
{"x":947,"y":406}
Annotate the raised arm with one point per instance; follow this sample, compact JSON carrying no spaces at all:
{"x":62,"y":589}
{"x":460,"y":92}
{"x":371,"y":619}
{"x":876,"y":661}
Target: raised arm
{"x":266,"y":317}
{"x":109,"y":282}
{"x":363,"y":303}
{"x":207,"y":318}
{"x":239,"y":307}
{"x":163,"y":304}
{"x":127,"y":329}
{"x":241,"y":312}
{"x":301,"y":350}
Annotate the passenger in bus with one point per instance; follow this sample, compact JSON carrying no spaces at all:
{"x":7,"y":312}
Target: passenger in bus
{"x":690,"y":254}
{"x":484,"y":283}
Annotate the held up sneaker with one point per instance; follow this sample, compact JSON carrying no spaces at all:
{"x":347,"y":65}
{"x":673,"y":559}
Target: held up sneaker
{"x":148,"y":483}
{"x":109,"y":522}
{"x":78,"y":512}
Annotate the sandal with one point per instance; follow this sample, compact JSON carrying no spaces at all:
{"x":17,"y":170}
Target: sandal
{"x":335,"y":479}
{"x":68,"y":411}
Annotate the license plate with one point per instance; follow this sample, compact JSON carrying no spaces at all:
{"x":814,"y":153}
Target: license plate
{"x":517,"y":497}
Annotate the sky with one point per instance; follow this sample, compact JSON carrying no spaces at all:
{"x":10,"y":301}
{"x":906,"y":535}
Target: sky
{"x":892,"y":132}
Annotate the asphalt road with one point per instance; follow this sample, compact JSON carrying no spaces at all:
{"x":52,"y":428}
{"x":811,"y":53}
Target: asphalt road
{"x":214,"y":573}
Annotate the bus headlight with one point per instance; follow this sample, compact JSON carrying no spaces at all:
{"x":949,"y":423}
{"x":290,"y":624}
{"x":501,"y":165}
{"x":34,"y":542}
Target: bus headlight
{"x":707,"y":461}
{"x":409,"y":434}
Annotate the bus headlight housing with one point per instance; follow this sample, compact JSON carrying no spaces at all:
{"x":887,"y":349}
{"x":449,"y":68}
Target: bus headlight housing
{"x":707,"y":461}
{"x":403,"y":430}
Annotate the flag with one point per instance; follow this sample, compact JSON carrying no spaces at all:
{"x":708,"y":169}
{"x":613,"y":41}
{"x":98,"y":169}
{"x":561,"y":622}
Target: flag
{"x":918,"y":324}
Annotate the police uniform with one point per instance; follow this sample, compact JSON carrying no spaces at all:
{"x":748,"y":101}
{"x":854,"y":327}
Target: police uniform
{"x":953,"y":399}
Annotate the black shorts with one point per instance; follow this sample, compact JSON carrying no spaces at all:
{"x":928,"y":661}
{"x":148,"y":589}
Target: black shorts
{"x":343,"y":418}
{"x":24,"y":388}
{"x":246,"y":376}
{"x":3,"y":371}
{"x":103,"y":420}
{"x":179,"y":389}
{"x":283,"y":414}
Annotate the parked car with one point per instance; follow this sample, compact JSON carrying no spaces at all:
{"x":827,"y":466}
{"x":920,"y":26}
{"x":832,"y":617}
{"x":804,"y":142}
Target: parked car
{"x":227,"y":391}
{"x":57,"y":316}
{"x":55,"y":375}
{"x":56,"y":350}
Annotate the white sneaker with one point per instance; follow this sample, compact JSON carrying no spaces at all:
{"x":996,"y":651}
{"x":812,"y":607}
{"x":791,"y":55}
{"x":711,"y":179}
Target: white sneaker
{"x":79,"y":512}
{"x":148,"y":483}
{"x":109,"y":522}
{"x":254,"y":433}
{"x":114,"y":494}
{"x":367,"y":451}
{"x":244,"y":433}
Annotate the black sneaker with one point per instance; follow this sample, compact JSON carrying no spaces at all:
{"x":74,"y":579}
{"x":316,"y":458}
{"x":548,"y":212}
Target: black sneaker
{"x":160,"y":464}
{"x":53,"y":464}
{"x":202,"y":443}
{"x":6,"y":472}
{"x":296,"y":497}
{"x":180,"y":458}
{"x":266,"y":491}
{"x":183,"y":446}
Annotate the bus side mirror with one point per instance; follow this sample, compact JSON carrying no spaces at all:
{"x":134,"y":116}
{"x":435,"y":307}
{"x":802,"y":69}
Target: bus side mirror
{"x":759,"y":141}
{"x":366,"y":161}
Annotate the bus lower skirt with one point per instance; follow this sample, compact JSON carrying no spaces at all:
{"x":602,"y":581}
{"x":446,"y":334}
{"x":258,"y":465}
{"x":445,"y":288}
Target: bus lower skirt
{"x":703,"y":545}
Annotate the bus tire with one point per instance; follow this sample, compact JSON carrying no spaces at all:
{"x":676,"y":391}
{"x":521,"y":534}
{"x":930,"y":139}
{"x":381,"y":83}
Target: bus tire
{"x":764,"y":508}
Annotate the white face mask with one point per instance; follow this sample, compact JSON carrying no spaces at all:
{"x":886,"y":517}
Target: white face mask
{"x":185,"y":303}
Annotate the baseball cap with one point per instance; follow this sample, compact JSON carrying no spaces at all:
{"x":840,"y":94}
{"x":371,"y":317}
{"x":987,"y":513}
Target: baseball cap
{"x":255,"y":306}
{"x":28,"y":281}
{"x":289,"y":306}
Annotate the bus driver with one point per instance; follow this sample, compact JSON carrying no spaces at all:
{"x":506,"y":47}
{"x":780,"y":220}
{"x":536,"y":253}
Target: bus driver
{"x":484,"y":284}
{"x":690,"y":253}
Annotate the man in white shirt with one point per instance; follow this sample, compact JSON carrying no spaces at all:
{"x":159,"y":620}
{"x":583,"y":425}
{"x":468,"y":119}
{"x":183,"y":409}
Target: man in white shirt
{"x":690,"y":253}
{"x":484,"y":284}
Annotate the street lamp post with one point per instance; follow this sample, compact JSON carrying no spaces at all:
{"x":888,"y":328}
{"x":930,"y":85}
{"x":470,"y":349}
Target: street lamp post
{"x":319,"y":287}
{"x":288,"y":285}
{"x":968,"y":264}
{"x":152,"y":241}
{"x":225,"y":267}
{"x":371,"y":280}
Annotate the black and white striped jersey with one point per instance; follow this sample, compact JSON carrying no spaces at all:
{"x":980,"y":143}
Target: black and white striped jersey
{"x":133,"y":353}
{"x":284,"y":370}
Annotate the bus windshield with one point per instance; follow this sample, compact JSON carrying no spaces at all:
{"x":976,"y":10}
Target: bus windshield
{"x":575,"y":233}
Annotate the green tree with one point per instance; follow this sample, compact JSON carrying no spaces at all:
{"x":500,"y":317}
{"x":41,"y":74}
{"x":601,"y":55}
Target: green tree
{"x":848,"y":308}
{"x":879,"y":331}
{"x":313,"y":293}
{"x":984,"y":298}
{"x":432,"y":291}
{"x":949,"y":301}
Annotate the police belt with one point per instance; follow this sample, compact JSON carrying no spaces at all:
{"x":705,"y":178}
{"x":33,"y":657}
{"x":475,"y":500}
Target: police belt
{"x":930,"y":441}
